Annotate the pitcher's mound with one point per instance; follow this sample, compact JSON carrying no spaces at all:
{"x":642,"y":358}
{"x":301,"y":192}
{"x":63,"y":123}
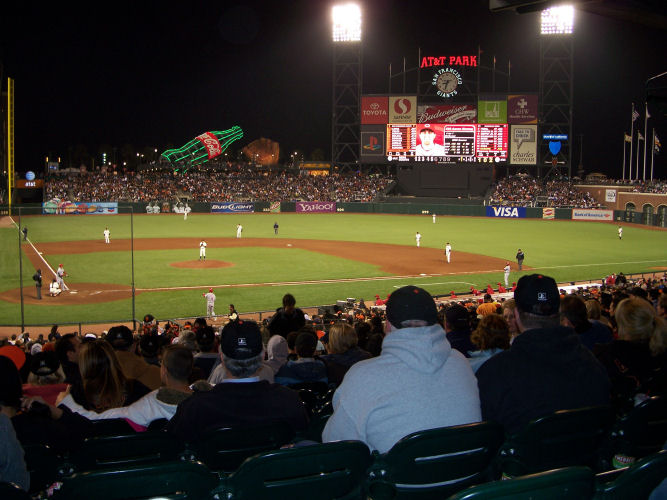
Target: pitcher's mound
{"x":201,"y":264}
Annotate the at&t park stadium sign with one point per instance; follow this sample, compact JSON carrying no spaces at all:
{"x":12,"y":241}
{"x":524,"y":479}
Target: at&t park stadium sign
{"x":428,"y":61}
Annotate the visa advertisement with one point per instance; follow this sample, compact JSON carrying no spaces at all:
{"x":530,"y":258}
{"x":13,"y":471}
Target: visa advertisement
{"x":506,"y":212}
{"x":232,"y":208}
{"x":64,"y":207}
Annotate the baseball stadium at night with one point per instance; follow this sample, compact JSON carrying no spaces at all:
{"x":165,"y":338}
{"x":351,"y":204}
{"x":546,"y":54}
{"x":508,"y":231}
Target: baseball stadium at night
{"x":350,"y":250}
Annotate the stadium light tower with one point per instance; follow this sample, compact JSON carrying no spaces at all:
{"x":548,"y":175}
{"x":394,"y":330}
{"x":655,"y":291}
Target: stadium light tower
{"x":346,"y":91}
{"x":556,"y":88}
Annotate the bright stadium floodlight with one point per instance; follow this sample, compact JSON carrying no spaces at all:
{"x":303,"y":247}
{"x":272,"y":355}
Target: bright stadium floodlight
{"x":346,"y":22}
{"x":558,"y":20}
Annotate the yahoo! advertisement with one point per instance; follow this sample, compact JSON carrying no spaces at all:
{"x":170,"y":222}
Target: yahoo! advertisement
{"x":314,"y":207}
{"x":228,"y":208}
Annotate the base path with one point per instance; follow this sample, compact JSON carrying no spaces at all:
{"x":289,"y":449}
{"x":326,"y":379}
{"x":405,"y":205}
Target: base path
{"x":397,"y":260}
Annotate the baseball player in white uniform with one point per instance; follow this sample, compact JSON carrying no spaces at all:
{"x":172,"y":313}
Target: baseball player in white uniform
{"x":186,"y":211}
{"x":433,"y":218}
{"x":620,"y":232}
{"x":210,"y":302}
{"x":107,"y":234}
{"x":448,"y":252}
{"x":202,"y":250}
{"x":418,"y":238}
{"x":60,"y":274}
{"x":507,"y":274}
{"x":239,"y":230}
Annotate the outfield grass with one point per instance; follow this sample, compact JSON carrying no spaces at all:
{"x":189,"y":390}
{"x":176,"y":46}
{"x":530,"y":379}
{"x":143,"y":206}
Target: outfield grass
{"x":566,"y":250}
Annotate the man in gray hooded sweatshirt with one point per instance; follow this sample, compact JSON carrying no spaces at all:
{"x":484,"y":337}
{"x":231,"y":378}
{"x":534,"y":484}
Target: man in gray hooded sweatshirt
{"x":418,"y":382}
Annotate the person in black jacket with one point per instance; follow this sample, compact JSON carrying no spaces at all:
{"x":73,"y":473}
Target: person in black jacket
{"x":546,"y":368}
{"x":287,"y":318}
{"x":37,"y":278}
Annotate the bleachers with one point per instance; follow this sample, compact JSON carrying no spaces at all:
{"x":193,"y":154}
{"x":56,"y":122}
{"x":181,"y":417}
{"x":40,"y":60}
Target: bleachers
{"x":248,"y":463}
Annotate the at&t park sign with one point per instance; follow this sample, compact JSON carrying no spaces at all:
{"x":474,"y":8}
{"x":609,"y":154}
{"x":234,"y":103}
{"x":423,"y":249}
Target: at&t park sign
{"x":428,"y":61}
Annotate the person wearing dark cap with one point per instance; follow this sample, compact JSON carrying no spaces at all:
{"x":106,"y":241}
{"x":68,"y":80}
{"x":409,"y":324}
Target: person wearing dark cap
{"x":418,"y":382}
{"x":46,"y":378}
{"x":241,"y":399}
{"x":287,"y":318}
{"x":67,"y":349}
{"x":133,"y":366}
{"x":207,"y":359}
{"x":546,"y":368}
{"x":457,"y":326}
{"x":37,"y":278}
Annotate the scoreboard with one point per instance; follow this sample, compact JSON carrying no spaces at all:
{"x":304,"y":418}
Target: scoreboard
{"x":465,"y":142}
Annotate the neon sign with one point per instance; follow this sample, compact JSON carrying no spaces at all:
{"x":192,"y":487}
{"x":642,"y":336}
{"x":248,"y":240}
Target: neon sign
{"x":428,"y":61}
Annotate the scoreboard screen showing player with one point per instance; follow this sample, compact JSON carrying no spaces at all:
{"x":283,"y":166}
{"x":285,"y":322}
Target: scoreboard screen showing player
{"x":447,"y":143}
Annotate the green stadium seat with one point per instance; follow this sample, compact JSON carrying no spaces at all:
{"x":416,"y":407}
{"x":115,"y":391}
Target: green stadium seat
{"x":636,"y":481}
{"x":642,"y":431}
{"x":437,"y":462}
{"x":223,"y":450}
{"x":9,"y":491}
{"x":181,"y":479}
{"x":570,"y":482}
{"x":43,"y":464}
{"x":110,"y":452}
{"x":320,"y":471}
{"x":562,"y":439}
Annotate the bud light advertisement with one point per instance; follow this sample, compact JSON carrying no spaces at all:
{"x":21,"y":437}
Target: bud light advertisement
{"x":315,"y":207}
{"x":506,"y":212}
{"x":232,"y":208}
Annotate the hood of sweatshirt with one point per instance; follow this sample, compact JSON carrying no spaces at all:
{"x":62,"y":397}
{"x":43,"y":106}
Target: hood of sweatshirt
{"x":424,"y":349}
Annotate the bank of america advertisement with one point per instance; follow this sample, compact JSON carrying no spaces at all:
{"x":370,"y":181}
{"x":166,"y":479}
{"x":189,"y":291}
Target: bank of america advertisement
{"x":523,"y":145}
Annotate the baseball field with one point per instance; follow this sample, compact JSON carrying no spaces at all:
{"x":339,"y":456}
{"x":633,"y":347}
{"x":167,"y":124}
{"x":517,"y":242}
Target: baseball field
{"x":319,"y":258}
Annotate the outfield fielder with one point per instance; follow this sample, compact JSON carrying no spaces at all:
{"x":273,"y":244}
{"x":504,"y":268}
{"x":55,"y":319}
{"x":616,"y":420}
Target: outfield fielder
{"x":210,"y":302}
{"x":433,"y":218}
{"x":418,"y":238}
{"x":620,"y":232}
{"x":239,"y":230}
{"x":448,"y":252}
{"x":107,"y":234}
{"x":202,"y":250}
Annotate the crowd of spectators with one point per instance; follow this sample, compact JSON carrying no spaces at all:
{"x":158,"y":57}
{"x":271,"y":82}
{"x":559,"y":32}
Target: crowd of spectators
{"x":597,"y":344}
{"x":236,"y":183}
{"x":523,"y":190}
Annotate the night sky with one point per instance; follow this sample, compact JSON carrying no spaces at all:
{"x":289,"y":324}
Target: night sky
{"x":158,"y":74}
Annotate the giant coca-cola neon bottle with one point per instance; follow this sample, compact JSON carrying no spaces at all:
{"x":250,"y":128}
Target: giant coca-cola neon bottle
{"x":203,"y":148}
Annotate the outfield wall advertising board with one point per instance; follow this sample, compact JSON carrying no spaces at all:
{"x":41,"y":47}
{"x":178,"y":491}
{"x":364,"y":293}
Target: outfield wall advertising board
{"x":592,"y":214}
{"x":228,"y":208}
{"x":315,"y":206}
{"x":58,"y":207}
{"x":506,"y":212}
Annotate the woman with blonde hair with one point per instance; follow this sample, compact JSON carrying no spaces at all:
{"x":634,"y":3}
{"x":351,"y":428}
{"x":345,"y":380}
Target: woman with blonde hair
{"x":636,"y":361}
{"x":343,"y":351}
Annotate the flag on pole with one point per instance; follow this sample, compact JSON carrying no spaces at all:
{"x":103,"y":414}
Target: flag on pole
{"x":656,"y":143}
{"x":640,"y":137}
{"x":635,"y":114}
{"x":627,"y":137}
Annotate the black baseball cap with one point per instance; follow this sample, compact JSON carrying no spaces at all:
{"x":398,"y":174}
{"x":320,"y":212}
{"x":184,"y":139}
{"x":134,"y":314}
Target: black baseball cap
{"x":241,"y":340}
{"x":411,"y":302}
{"x":537,"y":294}
{"x":44,"y":363}
{"x":120,"y":336}
{"x":457,"y":316}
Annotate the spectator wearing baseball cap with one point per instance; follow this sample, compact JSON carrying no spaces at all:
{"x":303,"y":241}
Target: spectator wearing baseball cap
{"x":546,"y":368}
{"x":46,"y":378}
{"x":457,"y":326}
{"x":241,"y":398}
{"x":134,"y":367}
{"x":207,"y":359}
{"x":418,"y":382}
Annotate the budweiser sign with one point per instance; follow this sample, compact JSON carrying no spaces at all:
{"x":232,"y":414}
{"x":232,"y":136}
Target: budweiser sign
{"x":447,"y":113}
{"x":211,"y":144}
